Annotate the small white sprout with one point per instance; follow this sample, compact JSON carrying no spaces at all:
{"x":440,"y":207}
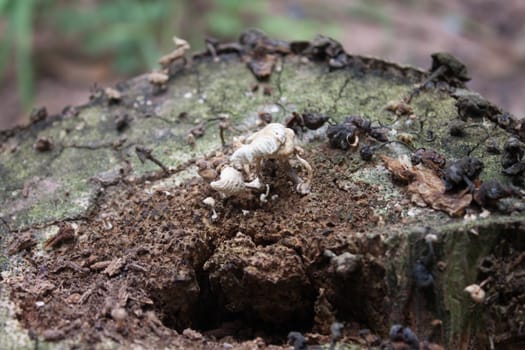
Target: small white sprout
{"x":476,"y":293}
{"x":209,"y":201}
{"x":431,"y":238}
{"x":484,"y":214}
{"x":230,"y":182}
{"x":264,"y":196}
{"x":158,"y":78}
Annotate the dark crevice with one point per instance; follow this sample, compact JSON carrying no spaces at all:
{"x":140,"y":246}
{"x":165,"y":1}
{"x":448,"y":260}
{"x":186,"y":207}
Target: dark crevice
{"x":209,"y":314}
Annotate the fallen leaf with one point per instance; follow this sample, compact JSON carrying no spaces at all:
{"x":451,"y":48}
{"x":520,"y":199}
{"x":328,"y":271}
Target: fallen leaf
{"x":262,"y":64}
{"x":427,"y":188}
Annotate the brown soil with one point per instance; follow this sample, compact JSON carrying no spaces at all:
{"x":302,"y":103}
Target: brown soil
{"x":148,"y":265}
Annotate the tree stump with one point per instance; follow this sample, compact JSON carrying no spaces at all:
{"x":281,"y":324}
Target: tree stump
{"x":106,"y":241}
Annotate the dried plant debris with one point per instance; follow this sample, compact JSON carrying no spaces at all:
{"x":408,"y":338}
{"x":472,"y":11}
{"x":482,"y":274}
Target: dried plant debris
{"x":158,"y":78}
{"x":262,"y":63}
{"x":43,"y":144}
{"x":298,"y":122}
{"x":448,"y":68}
{"x":462,"y":173}
{"x":400,"y":108}
{"x":346,"y":134}
{"x":475,"y":107}
{"x":65,"y":234}
{"x":429,"y":158}
{"x":489,"y":194}
{"x":112,"y":95}
{"x":24,"y":241}
{"x":324,"y":48}
{"x":273,"y":142}
{"x":181,"y":46}
{"x":38,"y":114}
{"x":427,"y":188}
{"x":262,"y":52}
{"x":145,"y":153}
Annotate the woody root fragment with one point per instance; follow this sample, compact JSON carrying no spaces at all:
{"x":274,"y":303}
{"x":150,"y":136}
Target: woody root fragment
{"x":242,"y":171}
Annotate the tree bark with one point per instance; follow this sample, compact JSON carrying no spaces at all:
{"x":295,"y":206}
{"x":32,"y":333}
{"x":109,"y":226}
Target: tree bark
{"x":89,"y":150}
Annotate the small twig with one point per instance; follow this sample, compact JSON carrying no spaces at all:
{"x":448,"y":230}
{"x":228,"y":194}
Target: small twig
{"x":3,"y":221}
{"x":431,"y":77}
{"x":85,"y":296}
{"x":65,"y":233}
{"x":145,"y":153}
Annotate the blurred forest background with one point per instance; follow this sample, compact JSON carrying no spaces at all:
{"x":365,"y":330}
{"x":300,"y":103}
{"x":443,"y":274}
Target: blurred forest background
{"x":53,"y":51}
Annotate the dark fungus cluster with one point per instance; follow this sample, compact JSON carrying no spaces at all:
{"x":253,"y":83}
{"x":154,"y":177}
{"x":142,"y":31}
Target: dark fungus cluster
{"x":400,"y":334}
{"x":261,"y":52}
{"x":429,"y":158}
{"x":476,"y":107}
{"x":346,"y":134}
{"x":512,"y":157}
{"x":448,"y":68}
{"x":491,"y":194}
{"x":462,"y":173}
{"x":306,"y":120}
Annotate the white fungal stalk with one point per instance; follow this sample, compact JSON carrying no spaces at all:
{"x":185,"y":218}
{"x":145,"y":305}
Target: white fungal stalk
{"x":274,"y":141}
{"x":209,"y":201}
{"x":262,"y":145}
